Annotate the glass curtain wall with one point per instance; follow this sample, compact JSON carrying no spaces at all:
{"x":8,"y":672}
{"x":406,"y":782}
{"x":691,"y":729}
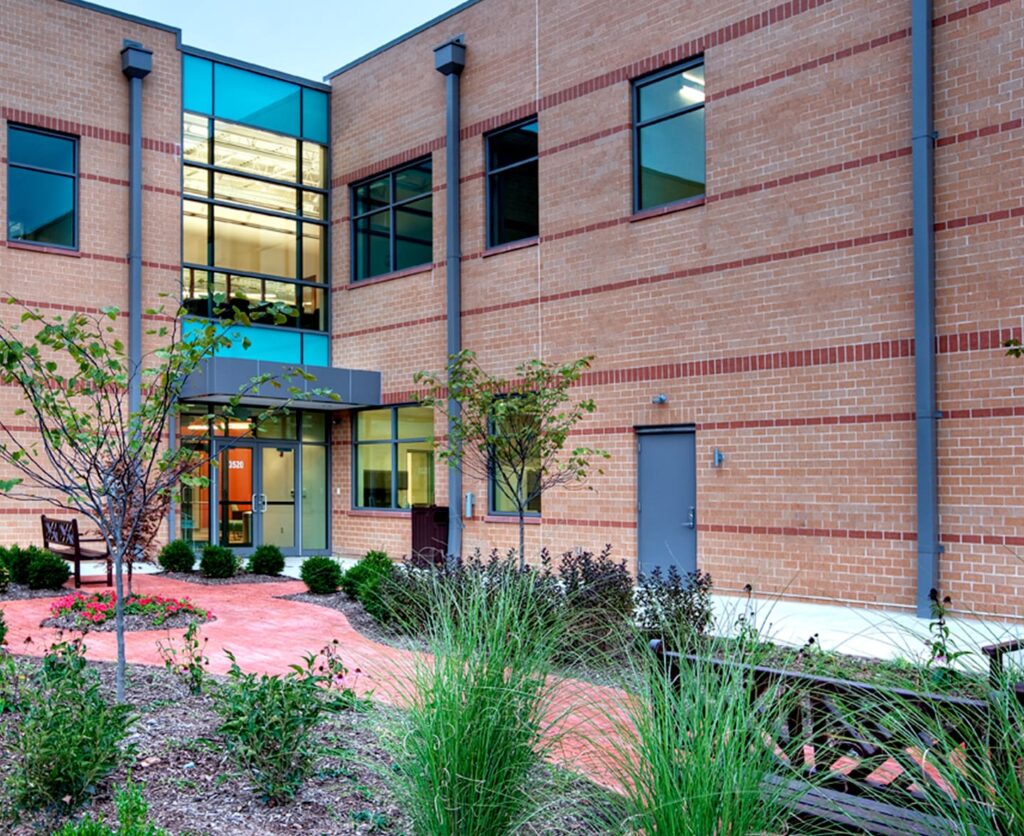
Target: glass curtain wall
{"x":255,"y":214}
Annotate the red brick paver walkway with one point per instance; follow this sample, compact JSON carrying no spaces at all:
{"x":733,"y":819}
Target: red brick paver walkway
{"x":267,"y":634}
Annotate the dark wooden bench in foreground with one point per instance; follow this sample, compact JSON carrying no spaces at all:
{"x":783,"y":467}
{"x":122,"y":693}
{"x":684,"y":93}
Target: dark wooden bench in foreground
{"x":847,"y":764}
{"x":61,"y":537}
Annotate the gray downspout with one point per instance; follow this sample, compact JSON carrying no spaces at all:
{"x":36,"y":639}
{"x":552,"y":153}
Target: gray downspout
{"x":923,"y":161}
{"x":449,"y":60}
{"x":136,"y":64}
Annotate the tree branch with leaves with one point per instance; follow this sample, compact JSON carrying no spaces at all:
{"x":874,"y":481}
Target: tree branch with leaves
{"x":513,"y":432}
{"x":81,"y":449}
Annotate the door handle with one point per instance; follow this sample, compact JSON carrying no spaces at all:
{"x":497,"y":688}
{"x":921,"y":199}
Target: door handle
{"x":263,"y":503}
{"x":691,"y":518}
{"x":253,"y":507}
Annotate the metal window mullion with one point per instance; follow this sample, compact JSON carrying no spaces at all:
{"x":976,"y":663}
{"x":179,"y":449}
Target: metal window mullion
{"x":516,"y":164}
{"x":666,"y":116}
{"x":249,"y":274}
{"x":394,"y":457}
{"x":262,"y":178}
{"x":39,"y":169}
{"x":245,"y":207}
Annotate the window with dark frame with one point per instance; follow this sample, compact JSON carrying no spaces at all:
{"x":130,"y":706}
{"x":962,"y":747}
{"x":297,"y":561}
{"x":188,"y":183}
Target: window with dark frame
{"x":393,"y":221}
{"x":512,"y":201}
{"x":393,"y":457}
{"x":42,"y":187}
{"x":668,"y":136}
{"x":501,"y":502}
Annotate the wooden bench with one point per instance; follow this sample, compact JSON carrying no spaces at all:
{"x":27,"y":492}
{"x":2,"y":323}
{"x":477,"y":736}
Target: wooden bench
{"x":61,"y":537}
{"x":845,"y":765}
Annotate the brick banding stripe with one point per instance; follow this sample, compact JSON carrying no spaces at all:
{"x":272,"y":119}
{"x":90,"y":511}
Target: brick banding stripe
{"x":50,"y":123}
{"x":720,"y":36}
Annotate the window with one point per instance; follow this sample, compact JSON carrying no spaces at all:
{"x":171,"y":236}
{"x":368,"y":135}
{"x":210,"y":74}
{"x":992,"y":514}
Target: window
{"x":394,"y":457}
{"x":254,"y":223}
{"x":668,"y":135}
{"x":393,"y":221}
{"x":42,"y":187}
{"x":502,"y":499}
{"x":512,"y":212}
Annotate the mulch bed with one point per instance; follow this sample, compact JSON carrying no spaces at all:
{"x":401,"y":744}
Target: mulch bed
{"x":132,"y":623}
{"x":19,"y":592}
{"x":193,"y":788}
{"x":245,"y":577}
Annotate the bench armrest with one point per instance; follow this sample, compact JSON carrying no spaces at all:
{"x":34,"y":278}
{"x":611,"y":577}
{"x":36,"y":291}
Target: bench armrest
{"x":995,"y":653}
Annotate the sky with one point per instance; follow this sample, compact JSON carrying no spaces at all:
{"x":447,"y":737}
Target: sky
{"x":309,"y":39}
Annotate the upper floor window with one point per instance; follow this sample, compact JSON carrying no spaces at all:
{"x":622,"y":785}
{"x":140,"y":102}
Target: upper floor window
{"x":668,"y":135}
{"x":393,"y":221}
{"x":42,"y":187}
{"x":394,"y":457}
{"x":512,"y":210}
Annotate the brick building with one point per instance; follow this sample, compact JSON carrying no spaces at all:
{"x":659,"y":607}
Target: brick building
{"x":716,"y":200}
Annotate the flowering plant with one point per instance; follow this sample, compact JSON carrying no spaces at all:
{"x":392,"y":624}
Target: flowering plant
{"x":98,"y":607}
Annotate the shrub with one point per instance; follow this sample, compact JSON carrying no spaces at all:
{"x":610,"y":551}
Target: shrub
{"x":218,"y":562}
{"x":267,"y":560}
{"x":598,"y":599}
{"x":674,"y":605}
{"x":46,"y":570}
{"x":5,"y":577}
{"x":132,"y":816}
{"x":322,"y":575}
{"x":268,"y":721}
{"x":363,"y":581}
{"x":177,"y":556}
{"x":17,"y":562}
{"x":3,"y":631}
{"x":69,"y":736}
{"x":476,"y":726}
{"x":188,"y":661}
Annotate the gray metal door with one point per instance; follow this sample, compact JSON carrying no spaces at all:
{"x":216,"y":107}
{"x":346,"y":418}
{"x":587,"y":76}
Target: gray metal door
{"x":667,"y":499}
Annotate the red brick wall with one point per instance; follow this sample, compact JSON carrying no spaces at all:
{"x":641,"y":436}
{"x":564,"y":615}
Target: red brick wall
{"x":62,"y":71}
{"x":777,"y":317}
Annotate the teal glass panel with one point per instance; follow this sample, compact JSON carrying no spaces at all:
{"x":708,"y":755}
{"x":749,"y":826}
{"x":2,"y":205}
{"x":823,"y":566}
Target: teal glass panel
{"x":40,"y":207}
{"x":315,"y":350}
{"x":276,"y":344}
{"x":39,"y":150}
{"x":314,"y":115}
{"x":198,"y":84}
{"x":257,"y":100}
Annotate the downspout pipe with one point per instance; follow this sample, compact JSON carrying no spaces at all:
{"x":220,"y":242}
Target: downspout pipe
{"x":136,"y":64}
{"x":450,"y":60}
{"x":927,"y":416}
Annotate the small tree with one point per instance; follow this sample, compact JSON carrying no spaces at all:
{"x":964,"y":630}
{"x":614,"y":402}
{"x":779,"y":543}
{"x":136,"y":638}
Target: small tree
{"x":84,"y":450}
{"x":513,"y":431}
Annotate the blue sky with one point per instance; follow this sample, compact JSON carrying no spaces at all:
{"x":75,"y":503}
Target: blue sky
{"x":308,"y":38}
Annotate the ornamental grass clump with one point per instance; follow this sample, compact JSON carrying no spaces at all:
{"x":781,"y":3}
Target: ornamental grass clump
{"x":69,"y":737}
{"x":692,"y":754}
{"x":477,"y":722}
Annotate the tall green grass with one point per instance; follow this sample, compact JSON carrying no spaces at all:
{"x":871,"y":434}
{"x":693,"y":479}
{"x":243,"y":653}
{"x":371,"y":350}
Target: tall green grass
{"x":479,"y":711}
{"x":692,"y":755}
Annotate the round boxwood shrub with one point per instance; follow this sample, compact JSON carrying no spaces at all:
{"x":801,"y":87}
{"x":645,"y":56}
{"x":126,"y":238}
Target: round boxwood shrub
{"x":177,"y":556}
{"x":322,"y":575}
{"x":218,"y":562}
{"x":5,"y":577}
{"x":17,"y":564}
{"x":46,"y":570}
{"x":266,"y":560}
{"x":368,"y":570}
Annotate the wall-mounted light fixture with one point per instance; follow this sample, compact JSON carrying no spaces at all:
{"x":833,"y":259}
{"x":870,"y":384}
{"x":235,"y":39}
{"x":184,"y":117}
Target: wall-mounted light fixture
{"x":717,"y":458}
{"x":659,"y":399}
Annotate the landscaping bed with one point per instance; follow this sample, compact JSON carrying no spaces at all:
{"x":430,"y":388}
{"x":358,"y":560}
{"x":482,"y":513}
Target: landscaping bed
{"x":245,"y":577}
{"x":95,"y":612}
{"x":19,"y":592}
{"x":192,"y":786}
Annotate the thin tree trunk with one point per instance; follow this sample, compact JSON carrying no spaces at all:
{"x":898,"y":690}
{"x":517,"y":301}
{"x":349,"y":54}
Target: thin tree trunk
{"x":119,"y":624}
{"x":522,"y":539}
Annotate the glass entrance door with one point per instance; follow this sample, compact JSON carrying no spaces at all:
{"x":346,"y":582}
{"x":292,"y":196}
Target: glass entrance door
{"x":277,"y":496}
{"x":256,"y":496}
